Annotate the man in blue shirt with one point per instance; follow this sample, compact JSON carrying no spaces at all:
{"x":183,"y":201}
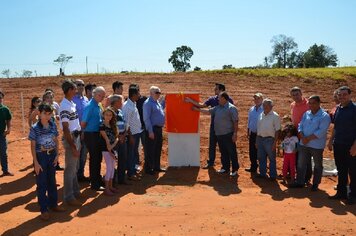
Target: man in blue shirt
{"x":154,"y":118}
{"x":253,"y":114}
{"x":312,"y":131}
{"x":90,"y":123}
{"x":211,"y":102}
{"x":344,"y":144}
{"x":81,"y":102}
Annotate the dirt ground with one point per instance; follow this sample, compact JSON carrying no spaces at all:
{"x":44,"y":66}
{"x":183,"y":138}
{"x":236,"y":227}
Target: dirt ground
{"x":183,"y":200}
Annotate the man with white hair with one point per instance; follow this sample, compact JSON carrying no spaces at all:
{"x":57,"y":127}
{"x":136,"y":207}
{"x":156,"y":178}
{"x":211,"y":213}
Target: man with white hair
{"x":91,"y":121}
{"x":268,"y":128}
{"x":154,"y":118}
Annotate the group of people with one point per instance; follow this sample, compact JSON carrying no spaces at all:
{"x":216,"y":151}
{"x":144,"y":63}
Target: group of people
{"x":112,"y":127}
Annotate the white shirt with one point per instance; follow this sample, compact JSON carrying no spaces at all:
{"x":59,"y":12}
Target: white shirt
{"x":289,"y":144}
{"x":68,"y":113}
{"x":267,"y":125}
{"x":132,"y":117}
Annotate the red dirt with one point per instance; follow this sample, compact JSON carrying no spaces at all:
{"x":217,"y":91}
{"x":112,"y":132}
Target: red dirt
{"x":185,"y":200}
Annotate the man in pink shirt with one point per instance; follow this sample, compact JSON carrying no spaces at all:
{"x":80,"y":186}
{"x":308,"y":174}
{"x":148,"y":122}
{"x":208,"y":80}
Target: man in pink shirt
{"x":298,"y":107}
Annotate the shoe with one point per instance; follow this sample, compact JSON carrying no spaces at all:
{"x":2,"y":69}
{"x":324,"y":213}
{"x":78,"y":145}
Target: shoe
{"x":7,"y":173}
{"x":207,"y":166}
{"x":233,"y":173}
{"x":58,"y":167}
{"x":45,"y":216}
{"x":58,"y":209}
{"x":74,"y":202}
{"x":338,"y":196}
{"x":350,"y":200}
{"x":83,"y":179}
{"x":295,"y":185}
{"x":161,"y":170}
{"x":101,"y":188}
{"x":314,"y":187}
{"x":134,"y":178}
{"x":222,"y":171}
{"x":251,"y":170}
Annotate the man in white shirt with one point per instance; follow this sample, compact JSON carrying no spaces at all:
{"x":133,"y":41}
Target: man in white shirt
{"x":268,"y":128}
{"x":69,"y":122}
{"x":132,"y":117}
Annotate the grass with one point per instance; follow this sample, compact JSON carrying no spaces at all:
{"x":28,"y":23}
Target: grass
{"x":337,"y":73}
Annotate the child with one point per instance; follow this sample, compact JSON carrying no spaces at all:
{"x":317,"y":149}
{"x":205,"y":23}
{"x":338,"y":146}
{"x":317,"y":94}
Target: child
{"x":33,"y":113}
{"x":108,"y":141}
{"x":289,"y":146}
{"x":44,"y":149}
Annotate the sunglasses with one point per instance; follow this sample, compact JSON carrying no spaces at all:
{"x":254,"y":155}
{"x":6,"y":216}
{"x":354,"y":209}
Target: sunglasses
{"x":80,"y":85}
{"x":158,"y":92}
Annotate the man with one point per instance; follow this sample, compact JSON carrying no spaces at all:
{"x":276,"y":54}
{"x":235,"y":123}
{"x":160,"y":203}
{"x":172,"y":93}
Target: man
{"x":139,"y":105}
{"x":268,"y":128}
{"x":116,"y":102}
{"x":312,"y":132}
{"x":154,"y":118}
{"x":211,"y":102}
{"x":81,"y":102}
{"x":5,"y":128}
{"x":90,"y":123}
{"x":133,"y":119}
{"x":344,"y":144}
{"x":253,"y":115}
{"x":225,"y":128}
{"x":298,"y":107}
{"x":89,"y":90}
{"x":69,"y":122}
{"x":117,"y":88}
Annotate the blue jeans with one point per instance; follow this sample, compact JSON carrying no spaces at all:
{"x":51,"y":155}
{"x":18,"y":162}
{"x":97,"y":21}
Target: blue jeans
{"x":264,"y":149}
{"x":3,"y":153}
{"x":70,"y":184}
{"x":228,"y":152}
{"x":46,"y":181}
{"x":133,"y":155}
{"x":304,"y":157}
{"x":82,"y":159}
{"x":212,"y":146}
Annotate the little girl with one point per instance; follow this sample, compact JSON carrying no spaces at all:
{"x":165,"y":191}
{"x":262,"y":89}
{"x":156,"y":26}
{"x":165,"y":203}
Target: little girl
{"x":108,"y":140}
{"x":44,"y":148}
{"x":289,"y":145}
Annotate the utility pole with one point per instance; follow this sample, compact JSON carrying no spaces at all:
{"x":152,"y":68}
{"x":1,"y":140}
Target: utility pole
{"x":86,"y":63}
{"x":97,"y":68}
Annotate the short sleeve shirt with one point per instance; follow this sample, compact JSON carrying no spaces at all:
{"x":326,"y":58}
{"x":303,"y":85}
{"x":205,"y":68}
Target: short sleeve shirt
{"x":225,"y":118}
{"x":68,"y":113}
{"x":5,"y":115}
{"x":289,"y":144}
{"x":44,"y":137}
{"x":110,"y":133}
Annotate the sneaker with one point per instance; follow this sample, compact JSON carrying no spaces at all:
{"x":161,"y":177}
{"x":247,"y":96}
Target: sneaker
{"x":233,"y":173}
{"x":222,"y":171}
{"x":45,"y":216}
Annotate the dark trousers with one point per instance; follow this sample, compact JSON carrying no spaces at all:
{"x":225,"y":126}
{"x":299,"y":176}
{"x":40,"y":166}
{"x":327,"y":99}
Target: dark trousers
{"x":212,"y":146}
{"x":46,"y":181}
{"x":91,"y":140}
{"x":121,"y":149}
{"x":228,"y":152}
{"x":253,"y":151}
{"x":346,"y":165}
{"x":154,"y":148}
{"x":3,"y":153}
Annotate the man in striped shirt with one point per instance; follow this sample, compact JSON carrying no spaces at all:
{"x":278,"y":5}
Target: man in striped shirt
{"x":69,"y":122}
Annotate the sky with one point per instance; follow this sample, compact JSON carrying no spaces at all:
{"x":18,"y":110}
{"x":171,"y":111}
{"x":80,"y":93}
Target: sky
{"x":140,"y":35}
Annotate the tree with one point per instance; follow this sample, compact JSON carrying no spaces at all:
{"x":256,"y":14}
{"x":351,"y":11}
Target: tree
{"x":225,"y":67}
{"x":6,"y":73}
{"x":26,"y":73}
{"x":295,"y":60}
{"x":62,"y":61}
{"x":282,"y":49}
{"x":180,"y":58}
{"x":320,"y":56}
{"x":197,"y":68}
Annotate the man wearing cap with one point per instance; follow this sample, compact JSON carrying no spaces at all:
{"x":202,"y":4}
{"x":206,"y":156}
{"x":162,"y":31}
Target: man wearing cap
{"x":211,"y":102}
{"x":154,"y":118}
{"x":268,"y":128}
{"x":253,"y":115}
